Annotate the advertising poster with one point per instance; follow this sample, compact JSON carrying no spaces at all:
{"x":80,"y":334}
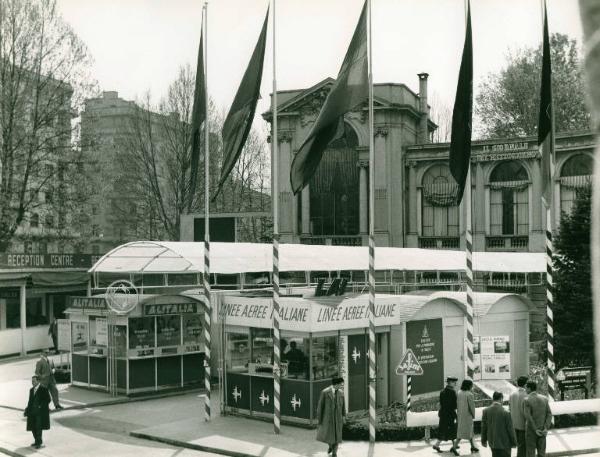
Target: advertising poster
{"x":120,"y":340}
{"x":141,"y":336}
{"x":192,"y":333}
{"x":101,"y":332}
{"x":426,"y":340}
{"x":495,"y":357}
{"x":79,"y":336}
{"x":64,"y":334}
{"x":476,"y":358}
{"x":168,"y":330}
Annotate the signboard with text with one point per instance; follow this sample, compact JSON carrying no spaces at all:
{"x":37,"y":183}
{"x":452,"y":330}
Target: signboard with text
{"x":426,"y":340}
{"x":32,"y":261}
{"x":309,"y":315}
{"x":87,"y":303}
{"x":64,"y":334}
{"x":491,"y":357}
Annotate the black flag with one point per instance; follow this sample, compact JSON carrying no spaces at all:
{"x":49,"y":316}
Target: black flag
{"x":198,"y":117}
{"x":239,"y":119}
{"x":350,"y":90}
{"x":545,"y":131}
{"x":462,"y":115}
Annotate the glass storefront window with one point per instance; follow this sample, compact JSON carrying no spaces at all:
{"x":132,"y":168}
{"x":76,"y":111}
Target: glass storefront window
{"x":237,"y":356}
{"x":141,"y":336}
{"x":79,"y":337}
{"x":168,"y":330}
{"x":324,"y":357}
{"x":295,"y":352}
{"x":98,"y":335}
{"x":262,"y":346}
{"x":192,"y":333}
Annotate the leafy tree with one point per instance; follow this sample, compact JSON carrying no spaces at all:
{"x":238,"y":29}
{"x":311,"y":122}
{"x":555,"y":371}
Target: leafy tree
{"x":507,"y":103}
{"x":573,"y":314}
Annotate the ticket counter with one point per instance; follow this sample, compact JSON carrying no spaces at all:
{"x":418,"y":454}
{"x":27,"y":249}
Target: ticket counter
{"x":157,"y":346}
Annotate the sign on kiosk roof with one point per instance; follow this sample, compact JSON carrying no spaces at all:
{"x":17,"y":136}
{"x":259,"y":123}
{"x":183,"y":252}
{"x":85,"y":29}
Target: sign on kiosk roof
{"x":409,"y":365}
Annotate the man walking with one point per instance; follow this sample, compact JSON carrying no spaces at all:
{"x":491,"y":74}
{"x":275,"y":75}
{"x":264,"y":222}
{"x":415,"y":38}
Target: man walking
{"x":44,"y":370}
{"x":447,"y":415}
{"x":538,"y":420}
{"x":331,"y":411}
{"x":515,"y":403}
{"x":497,"y":428}
{"x":38,"y":416}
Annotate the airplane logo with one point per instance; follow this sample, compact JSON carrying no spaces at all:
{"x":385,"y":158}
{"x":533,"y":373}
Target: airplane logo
{"x":236,"y":394}
{"x":263,"y":398}
{"x":296,"y":402}
{"x":425,"y":333}
{"x":355,"y":354}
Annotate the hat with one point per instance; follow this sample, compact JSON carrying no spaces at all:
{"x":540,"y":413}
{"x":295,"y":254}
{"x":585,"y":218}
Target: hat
{"x":451,"y":379}
{"x":337,"y":380}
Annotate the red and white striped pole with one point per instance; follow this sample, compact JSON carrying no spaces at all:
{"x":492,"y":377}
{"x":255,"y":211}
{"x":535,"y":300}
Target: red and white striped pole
{"x":206,"y":275}
{"x":372,"y":373}
{"x":275,"y":199}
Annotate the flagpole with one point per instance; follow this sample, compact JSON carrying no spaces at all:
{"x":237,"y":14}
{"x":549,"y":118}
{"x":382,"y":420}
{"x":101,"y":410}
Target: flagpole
{"x":550,"y":364}
{"x":275,"y":203}
{"x":206,"y":275}
{"x":372,"y":377}
{"x":469,"y":256}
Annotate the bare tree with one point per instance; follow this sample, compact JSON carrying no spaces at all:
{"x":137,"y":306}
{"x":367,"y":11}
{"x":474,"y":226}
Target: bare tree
{"x":155,"y":152}
{"x":44,"y":77}
{"x":441,"y":114}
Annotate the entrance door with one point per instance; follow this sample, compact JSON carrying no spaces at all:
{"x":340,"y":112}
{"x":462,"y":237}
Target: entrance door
{"x":357,"y":372}
{"x":383,"y":370}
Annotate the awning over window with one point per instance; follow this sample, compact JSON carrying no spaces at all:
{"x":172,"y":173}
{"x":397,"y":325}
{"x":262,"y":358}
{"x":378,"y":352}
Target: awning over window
{"x":231,"y":258}
{"x":59,"y":278}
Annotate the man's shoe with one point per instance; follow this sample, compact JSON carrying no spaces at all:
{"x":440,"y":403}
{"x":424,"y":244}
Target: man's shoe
{"x":58,"y":408}
{"x":437,"y":448}
{"x":34,"y":444}
{"x":474,"y":449}
{"x":454,"y":451}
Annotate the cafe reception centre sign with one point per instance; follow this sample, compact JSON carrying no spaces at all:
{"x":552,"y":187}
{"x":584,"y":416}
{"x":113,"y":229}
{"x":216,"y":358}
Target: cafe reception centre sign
{"x":309,"y":315}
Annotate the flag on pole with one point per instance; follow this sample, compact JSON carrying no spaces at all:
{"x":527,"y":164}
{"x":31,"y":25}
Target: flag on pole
{"x":462,"y":115}
{"x":545,"y":130}
{"x":239,"y":119}
{"x":198,"y":117}
{"x":350,"y":90}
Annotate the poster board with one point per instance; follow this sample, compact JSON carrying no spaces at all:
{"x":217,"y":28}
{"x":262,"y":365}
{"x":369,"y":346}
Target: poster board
{"x":192,"y":333}
{"x":64,"y":334}
{"x":426,"y":339}
{"x":492,"y":357}
{"x":79,"y":336}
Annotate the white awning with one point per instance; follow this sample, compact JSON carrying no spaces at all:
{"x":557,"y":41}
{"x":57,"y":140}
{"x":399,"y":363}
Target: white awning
{"x":231,"y":258}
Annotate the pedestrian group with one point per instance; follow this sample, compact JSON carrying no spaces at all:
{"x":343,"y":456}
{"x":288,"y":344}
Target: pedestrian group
{"x":524,"y":426}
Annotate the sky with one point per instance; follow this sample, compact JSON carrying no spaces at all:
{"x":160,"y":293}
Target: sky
{"x":138,"y":45}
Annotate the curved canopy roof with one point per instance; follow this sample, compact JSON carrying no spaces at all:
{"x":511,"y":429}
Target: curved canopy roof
{"x":231,"y":258}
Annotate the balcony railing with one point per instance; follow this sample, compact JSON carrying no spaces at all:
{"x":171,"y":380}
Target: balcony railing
{"x":333,"y":240}
{"x":506,"y":243}
{"x":439,"y":242}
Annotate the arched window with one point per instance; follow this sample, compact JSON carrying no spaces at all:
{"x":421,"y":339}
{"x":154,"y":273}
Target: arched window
{"x":334,"y":189}
{"x":575,"y":174}
{"x":509,"y":199}
{"x":439,"y":215}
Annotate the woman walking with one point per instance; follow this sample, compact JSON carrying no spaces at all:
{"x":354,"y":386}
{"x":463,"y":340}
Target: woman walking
{"x":465,"y":414}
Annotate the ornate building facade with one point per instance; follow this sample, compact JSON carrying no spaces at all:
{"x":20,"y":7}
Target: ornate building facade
{"x":414,"y":191}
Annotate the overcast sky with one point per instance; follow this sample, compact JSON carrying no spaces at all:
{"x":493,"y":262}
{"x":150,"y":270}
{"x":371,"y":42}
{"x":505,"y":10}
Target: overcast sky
{"x":138,"y":45}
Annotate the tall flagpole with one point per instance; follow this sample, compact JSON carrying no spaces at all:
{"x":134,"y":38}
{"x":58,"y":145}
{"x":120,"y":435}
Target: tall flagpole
{"x":275,"y":202}
{"x":206,"y":275}
{"x":372,"y":377}
{"x":469,"y":256}
{"x":549,"y":247}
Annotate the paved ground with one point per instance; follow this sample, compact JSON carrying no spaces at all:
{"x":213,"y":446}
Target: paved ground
{"x":173,"y":425}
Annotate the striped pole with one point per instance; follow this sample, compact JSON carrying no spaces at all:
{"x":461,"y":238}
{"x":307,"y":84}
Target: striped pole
{"x":372,"y":375}
{"x":408,"y":392}
{"x":275,"y":170}
{"x":206,"y":275}
{"x":469,"y":257}
{"x":549,"y":307}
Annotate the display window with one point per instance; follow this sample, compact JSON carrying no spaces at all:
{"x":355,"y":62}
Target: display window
{"x":324,"y":353}
{"x":262,"y":351}
{"x":192,"y":333}
{"x":168,"y":330}
{"x":141,"y":337}
{"x":98,"y":336}
{"x":79,"y":337}
{"x":237,"y":357}
{"x":295,"y":353}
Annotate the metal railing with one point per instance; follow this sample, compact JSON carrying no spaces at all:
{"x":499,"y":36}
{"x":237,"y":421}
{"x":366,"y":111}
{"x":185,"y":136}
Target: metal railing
{"x":439,"y":242}
{"x":506,"y":243}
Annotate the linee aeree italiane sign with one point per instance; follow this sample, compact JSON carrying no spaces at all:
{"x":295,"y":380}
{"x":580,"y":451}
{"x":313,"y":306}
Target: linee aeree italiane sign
{"x":309,"y":315}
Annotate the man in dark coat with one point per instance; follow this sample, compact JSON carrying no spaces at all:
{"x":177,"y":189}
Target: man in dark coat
{"x":497,"y":428}
{"x":37,"y":413}
{"x":538,"y":420}
{"x":447,"y":415}
{"x":44,"y":370}
{"x":331,"y":411}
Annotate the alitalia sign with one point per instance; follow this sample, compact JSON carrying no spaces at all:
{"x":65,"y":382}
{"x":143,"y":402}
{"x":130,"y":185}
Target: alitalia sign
{"x":171,"y":308}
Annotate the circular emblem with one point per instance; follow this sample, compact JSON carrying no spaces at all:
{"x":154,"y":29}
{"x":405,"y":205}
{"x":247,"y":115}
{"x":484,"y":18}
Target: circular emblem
{"x":121,"y":296}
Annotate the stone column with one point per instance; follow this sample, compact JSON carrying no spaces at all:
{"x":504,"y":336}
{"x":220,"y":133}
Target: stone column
{"x":412,"y":198}
{"x":306,"y":210}
{"x":537,"y":207}
{"x":478,"y":216}
{"x":363,"y":208}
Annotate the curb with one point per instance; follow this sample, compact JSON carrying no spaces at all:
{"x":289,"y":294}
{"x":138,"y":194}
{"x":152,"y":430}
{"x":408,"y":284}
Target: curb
{"x":184,"y":444}
{"x":11,"y":453}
